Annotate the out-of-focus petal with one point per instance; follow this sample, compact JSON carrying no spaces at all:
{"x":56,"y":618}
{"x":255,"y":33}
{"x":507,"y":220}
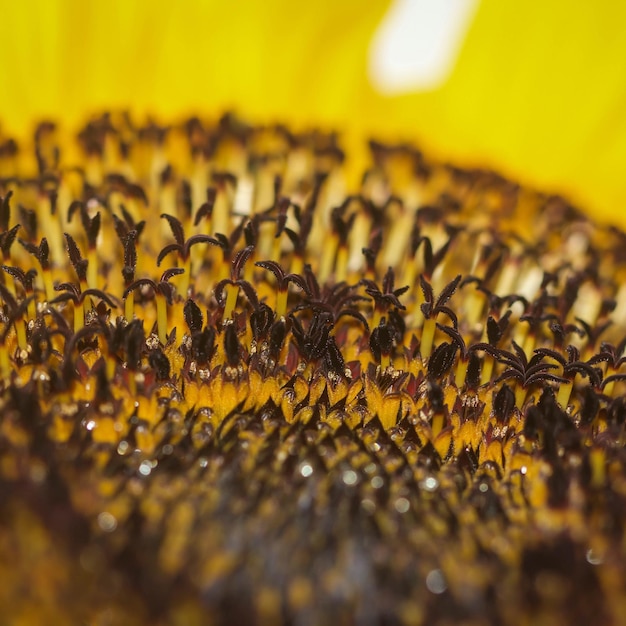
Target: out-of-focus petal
{"x":538,"y":90}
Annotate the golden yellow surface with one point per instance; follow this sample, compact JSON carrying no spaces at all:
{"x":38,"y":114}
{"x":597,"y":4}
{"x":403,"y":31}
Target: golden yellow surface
{"x":538,"y":90}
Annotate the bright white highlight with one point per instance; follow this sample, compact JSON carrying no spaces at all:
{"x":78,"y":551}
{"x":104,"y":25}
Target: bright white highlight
{"x":417,"y":44}
{"x":436,"y":582}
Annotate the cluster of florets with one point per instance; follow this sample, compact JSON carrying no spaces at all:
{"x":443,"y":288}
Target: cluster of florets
{"x":208,"y":330}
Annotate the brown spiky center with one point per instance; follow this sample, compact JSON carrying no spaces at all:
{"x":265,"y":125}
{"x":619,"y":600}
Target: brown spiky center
{"x":398,"y":402}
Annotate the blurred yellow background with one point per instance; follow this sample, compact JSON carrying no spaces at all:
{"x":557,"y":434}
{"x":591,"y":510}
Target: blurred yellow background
{"x":538,"y":90}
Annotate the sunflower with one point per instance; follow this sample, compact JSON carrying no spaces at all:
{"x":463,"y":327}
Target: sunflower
{"x":239,"y":387}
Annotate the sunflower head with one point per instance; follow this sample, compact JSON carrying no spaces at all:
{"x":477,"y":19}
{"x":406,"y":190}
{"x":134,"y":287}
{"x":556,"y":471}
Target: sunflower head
{"x":396,"y":401}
